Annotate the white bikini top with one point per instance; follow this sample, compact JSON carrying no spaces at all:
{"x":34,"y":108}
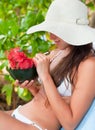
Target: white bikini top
{"x":64,"y":88}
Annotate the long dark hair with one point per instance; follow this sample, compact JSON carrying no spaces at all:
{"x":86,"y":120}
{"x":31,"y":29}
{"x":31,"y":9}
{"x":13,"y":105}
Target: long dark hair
{"x":64,"y":70}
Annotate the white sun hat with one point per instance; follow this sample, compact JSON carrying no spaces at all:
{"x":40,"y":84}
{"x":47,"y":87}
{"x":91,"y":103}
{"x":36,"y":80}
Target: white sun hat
{"x":67,"y":19}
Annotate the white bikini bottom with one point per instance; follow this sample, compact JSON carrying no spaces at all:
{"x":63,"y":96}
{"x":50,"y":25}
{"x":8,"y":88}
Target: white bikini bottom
{"x":22,"y":118}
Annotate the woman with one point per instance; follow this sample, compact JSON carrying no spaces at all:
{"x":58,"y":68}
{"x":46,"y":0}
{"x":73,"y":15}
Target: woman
{"x":67,"y":89}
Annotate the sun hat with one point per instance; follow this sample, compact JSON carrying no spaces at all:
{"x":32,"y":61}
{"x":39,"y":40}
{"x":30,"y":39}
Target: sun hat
{"x":67,"y":19}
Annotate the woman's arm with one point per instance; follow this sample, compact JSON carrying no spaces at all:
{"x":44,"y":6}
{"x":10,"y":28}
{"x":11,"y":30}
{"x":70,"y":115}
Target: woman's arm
{"x":71,"y":114}
{"x":84,"y":93}
{"x":34,"y":86}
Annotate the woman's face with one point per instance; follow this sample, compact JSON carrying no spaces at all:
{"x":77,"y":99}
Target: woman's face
{"x":59,"y":42}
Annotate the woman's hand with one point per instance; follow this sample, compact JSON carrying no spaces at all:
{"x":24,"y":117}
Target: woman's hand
{"x":32,"y":86}
{"x":42,"y":63}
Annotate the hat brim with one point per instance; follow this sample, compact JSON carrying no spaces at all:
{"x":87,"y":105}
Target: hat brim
{"x":71,"y":33}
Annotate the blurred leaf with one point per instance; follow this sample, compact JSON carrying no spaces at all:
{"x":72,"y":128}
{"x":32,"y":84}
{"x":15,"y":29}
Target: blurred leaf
{"x":7,"y":89}
{"x":2,"y":36}
{"x":83,"y":1}
{"x":91,"y":5}
{"x":24,"y":94}
{"x":2,"y":55}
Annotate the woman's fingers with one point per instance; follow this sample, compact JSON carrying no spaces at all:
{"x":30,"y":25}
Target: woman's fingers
{"x":25,"y":84}
{"x":30,"y":84}
{"x":17,"y":82}
{"x":40,"y":56}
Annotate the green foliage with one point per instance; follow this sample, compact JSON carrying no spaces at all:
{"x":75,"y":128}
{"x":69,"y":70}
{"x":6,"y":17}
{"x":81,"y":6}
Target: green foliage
{"x":24,"y":94}
{"x":7,"y":89}
{"x":16,"y":16}
{"x":91,"y":5}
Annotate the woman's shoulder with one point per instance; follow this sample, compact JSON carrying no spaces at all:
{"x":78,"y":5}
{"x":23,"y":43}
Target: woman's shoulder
{"x":86,"y":70}
{"x":86,"y":75}
{"x":88,"y":63}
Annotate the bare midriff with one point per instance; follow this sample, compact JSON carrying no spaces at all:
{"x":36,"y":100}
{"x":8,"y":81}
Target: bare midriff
{"x":39,"y":111}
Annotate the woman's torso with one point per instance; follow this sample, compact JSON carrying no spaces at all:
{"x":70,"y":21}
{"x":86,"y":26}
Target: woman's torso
{"x":39,"y":111}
